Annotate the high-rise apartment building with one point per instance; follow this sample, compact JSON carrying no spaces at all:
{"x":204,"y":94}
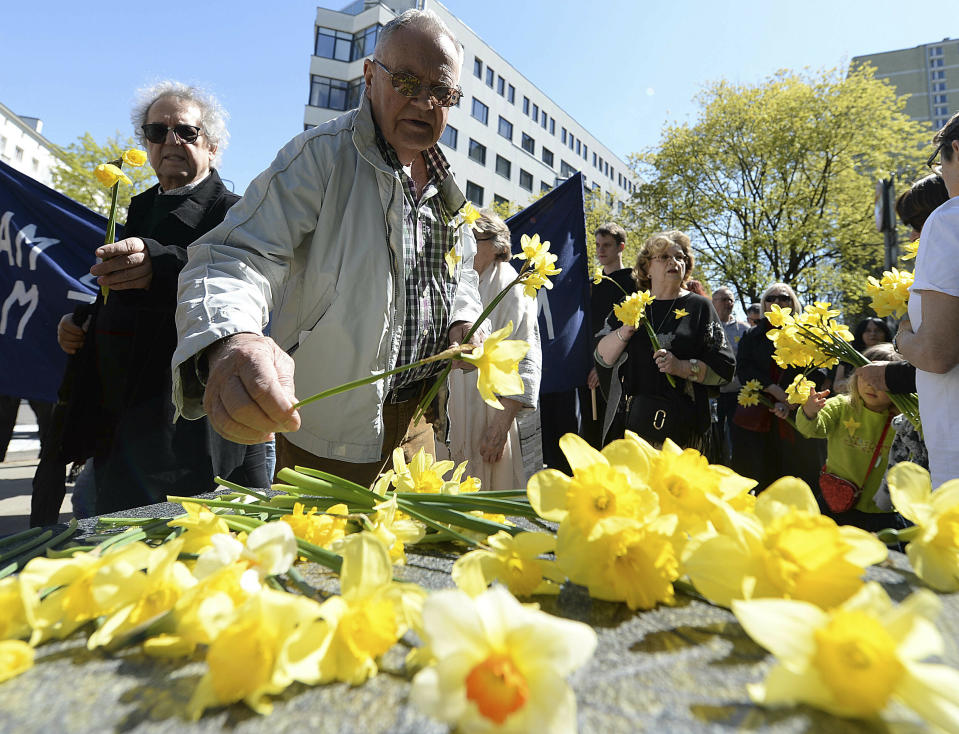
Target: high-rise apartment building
{"x":928,"y":73}
{"x":24,"y":148}
{"x":505,"y":141}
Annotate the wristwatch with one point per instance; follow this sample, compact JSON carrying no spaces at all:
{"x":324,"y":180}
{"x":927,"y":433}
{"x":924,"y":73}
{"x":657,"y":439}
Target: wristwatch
{"x":694,"y":368}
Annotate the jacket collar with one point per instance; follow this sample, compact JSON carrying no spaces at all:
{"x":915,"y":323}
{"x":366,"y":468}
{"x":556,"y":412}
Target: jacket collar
{"x":194,"y":205}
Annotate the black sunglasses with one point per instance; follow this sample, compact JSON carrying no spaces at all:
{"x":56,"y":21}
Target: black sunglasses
{"x":778,"y":298}
{"x":156,"y":132}
{"x":410,"y":86}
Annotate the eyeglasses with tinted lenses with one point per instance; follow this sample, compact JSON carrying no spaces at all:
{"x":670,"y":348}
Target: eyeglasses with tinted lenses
{"x":778,"y":298}
{"x":664,"y":258}
{"x":156,"y":132}
{"x":410,"y":86}
{"x":931,"y":162}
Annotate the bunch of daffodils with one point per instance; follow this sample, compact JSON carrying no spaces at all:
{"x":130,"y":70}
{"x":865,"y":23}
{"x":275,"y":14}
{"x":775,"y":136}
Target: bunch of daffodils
{"x":632,"y":311}
{"x":890,"y":293}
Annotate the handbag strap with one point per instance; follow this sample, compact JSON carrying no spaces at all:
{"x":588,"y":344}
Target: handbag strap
{"x":875,"y":453}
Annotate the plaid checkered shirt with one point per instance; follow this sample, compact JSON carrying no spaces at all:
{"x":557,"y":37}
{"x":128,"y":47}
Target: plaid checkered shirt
{"x":427,"y":237}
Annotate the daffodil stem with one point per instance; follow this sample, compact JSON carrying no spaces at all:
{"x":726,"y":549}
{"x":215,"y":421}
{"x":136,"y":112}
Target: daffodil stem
{"x":324,"y":488}
{"x":238,"y":488}
{"x":20,"y":537}
{"x":768,"y":402}
{"x":656,"y":347}
{"x":240,"y":508}
{"x":28,"y":545}
{"x":606,"y":277}
{"x":41,"y":548}
{"x":890,"y":536}
{"x":111,"y":225}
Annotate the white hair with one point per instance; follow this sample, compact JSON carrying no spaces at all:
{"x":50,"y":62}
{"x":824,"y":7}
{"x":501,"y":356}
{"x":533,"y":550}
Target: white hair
{"x":425,"y":20}
{"x":213,"y":116}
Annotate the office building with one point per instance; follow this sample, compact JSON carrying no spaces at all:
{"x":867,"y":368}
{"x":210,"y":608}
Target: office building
{"x":506,"y":140}
{"x":929,"y":74}
{"x":23,"y":147}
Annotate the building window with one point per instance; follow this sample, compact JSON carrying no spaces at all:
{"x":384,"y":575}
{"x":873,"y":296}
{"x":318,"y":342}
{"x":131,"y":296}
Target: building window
{"x":501,"y":200}
{"x":505,"y":128}
{"x":511,"y":96}
{"x":331,"y":94}
{"x":364,"y":42}
{"x":585,"y":152}
{"x":477,"y":152}
{"x":501,"y":86}
{"x":535,"y":112}
{"x":544,"y":187}
{"x":503,"y":167}
{"x":942,"y":111}
{"x":528,"y":144}
{"x":562,"y":137}
{"x":937,"y":75}
{"x":579,"y":147}
{"x":939,"y":99}
{"x":552,"y":126}
{"x":489,"y":77}
{"x":572,"y":141}
{"x":939,"y":87}
{"x":474,"y":193}
{"x":18,"y":153}
{"x":548,"y":157}
{"x":450,"y":136}
{"x":565,"y":169}
{"x":526,"y":179}
{"x":356,"y":92}
{"x":477,"y":67}
{"x":332,"y":44}
{"x":480,"y":111}
{"x":935,"y":51}
{"x":543,"y":119}
{"x":525,"y":105}
{"x":594,"y":159}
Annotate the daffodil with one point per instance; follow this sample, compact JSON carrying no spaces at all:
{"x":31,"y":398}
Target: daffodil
{"x":799,"y":390}
{"x":395,"y":529}
{"x":933,"y":549}
{"x":16,"y":656}
{"x":452,"y":259}
{"x":543,"y":268}
{"x":499,"y":666}
{"x":632,"y":309}
{"x":469,"y":213}
{"x":785,"y":548}
{"x":911,"y":250}
{"x":200,"y":524}
{"x":890,"y":294}
{"x":109,"y":175}
{"x":680,"y":312}
{"x":134,"y":157}
{"x":532,"y":248}
{"x":158,"y":589}
{"x":749,"y":393}
{"x":598,"y":275}
{"x":15,"y":597}
{"x":422,"y":474}
{"x":269,"y":643}
{"x":512,"y":560}
{"x":851,"y":425}
{"x":371,"y":614}
{"x":321,"y":529}
{"x":853,"y":661}
{"x":270,"y":549}
{"x":778,"y":316}
{"x":497,"y":361}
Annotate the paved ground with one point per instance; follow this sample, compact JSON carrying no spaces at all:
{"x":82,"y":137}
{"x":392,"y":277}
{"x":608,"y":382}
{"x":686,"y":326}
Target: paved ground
{"x":16,"y":476}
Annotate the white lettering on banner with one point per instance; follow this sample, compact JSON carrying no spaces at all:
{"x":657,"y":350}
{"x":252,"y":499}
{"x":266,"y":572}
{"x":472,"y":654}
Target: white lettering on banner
{"x":543,"y":303}
{"x":26,"y":236}
{"x":22,"y":297}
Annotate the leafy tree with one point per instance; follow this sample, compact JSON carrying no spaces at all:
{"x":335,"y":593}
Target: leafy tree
{"x":775,"y":181}
{"x":74,"y":177}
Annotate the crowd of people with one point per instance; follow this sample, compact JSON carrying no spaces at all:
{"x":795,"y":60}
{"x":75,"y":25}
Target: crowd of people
{"x":346,"y":257}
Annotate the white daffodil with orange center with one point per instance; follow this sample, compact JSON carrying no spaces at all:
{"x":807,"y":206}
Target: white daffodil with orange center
{"x":499,"y":666}
{"x":856,"y":659}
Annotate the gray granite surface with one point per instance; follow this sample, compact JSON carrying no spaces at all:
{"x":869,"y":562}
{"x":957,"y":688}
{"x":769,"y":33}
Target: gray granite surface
{"x":672,"y":669}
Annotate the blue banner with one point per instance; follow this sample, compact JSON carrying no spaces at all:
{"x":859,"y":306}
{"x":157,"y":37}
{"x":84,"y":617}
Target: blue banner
{"x":47,"y":242}
{"x":560,"y":218}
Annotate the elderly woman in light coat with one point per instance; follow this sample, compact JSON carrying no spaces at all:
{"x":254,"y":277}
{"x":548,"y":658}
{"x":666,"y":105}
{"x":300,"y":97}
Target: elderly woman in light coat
{"x":485,"y":437}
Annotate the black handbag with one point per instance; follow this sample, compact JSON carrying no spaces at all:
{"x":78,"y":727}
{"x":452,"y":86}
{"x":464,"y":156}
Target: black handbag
{"x":658,"y":417}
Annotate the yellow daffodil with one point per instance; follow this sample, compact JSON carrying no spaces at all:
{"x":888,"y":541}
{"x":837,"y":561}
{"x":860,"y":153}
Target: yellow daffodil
{"x":749,"y":393}
{"x":16,"y":656}
{"x":87,"y":586}
{"x":108,"y":175}
{"x":469,"y":213}
{"x":532,"y":248}
{"x":395,"y":529}
{"x":890,"y":294}
{"x":543,"y":269}
{"x":598,"y":275}
{"x":321,"y":529}
{"x":422,"y":474}
{"x":632,"y":309}
{"x":855,"y":660}
{"x":851,"y":425}
{"x":786,"y":548}
{"x":512,"y":560}
{"x":160,"y":588}
{"x":15,"y":597}
{"x":911,"y":250}
{"x":680,"y":312}
{"x":452,"y":259}
{"x":372,"y":613}
{"x":269,"y":643}
{"x":933,"y":550}
{"x":799,"y":390}
{"x":497,"y":362}
{"x":270,"y":549}
{"x":499,"y":666}
{"x":779,"y":316}
{"x":200,"y":524}
{"x":134,"y":157}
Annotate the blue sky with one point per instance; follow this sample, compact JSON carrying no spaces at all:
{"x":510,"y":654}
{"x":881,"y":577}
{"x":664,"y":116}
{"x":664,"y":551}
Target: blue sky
{"x":620,"y":67}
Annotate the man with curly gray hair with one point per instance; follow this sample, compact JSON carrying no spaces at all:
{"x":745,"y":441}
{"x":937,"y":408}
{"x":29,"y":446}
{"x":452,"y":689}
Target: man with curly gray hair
{"x":126,"y":340}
